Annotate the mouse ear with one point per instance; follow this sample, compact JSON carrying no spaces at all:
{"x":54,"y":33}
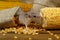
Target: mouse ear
{"x":19,"y":11}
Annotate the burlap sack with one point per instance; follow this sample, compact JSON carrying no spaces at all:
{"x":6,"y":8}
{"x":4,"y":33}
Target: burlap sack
{"x":6,"y":17}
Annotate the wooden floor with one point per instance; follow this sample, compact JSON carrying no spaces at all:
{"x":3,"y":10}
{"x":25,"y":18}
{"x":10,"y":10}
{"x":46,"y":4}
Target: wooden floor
{"x":41,"y":36}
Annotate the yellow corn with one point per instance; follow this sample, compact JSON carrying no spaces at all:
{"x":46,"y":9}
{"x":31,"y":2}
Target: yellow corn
{"x":52,"y":17}
{"x":12,"y":0}
{"x":5,"y":5}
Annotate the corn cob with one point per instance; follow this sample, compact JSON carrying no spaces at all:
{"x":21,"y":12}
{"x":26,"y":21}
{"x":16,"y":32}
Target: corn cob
{"x":51,"y":17}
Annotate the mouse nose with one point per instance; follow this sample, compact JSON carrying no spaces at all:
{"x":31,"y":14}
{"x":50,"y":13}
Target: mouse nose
{"x":38,"y":16}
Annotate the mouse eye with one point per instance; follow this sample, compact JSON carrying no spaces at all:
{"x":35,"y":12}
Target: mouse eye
{"x":34,"y":16}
